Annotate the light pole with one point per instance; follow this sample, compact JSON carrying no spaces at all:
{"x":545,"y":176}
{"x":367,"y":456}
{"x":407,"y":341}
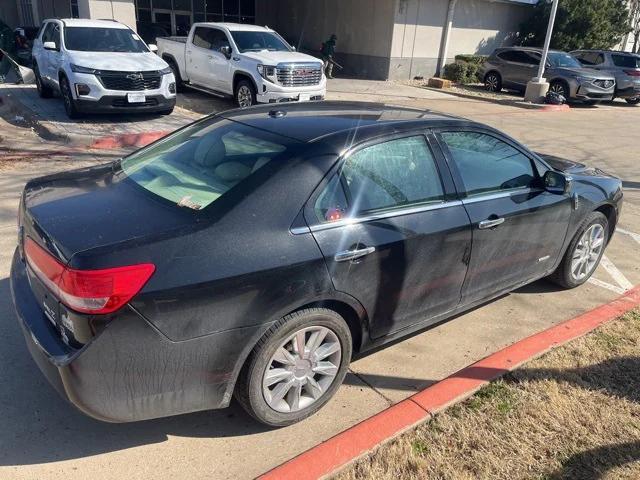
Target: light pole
{"x":538,"y":87}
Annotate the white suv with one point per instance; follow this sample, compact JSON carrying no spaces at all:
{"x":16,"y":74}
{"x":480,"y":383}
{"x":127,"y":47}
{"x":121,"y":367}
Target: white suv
{"x":101,"y":66}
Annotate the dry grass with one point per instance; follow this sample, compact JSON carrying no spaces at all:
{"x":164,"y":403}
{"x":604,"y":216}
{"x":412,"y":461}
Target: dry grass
{"x":572,"y":413}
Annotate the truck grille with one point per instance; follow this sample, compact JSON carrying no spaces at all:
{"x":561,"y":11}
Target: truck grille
{"x":299,"y":74}
{"x":130,"y":81}
{"x":604,"y":83}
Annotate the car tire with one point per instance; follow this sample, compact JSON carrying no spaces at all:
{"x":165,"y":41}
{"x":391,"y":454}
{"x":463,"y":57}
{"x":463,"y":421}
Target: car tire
{"x":43,"y":90}
{"x":561,"y":88}
{"x":67,"y":98}
{"x":595,"y":224}
{"x":632,"y":101}
{"x":176,"y":74}
{"x":245,"y":94}
{"x":493,"y":82}
{"x":291,"y":396}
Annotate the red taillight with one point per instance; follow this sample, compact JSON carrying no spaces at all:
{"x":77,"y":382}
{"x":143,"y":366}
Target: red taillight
{"x":87,"y":291}
{"x":632,"y":73}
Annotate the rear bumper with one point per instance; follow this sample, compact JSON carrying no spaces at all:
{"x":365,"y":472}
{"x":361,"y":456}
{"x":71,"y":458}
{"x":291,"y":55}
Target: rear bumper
{"x":119,"y":104}
{"x":629,"y":92}
{"x":130,"y":371}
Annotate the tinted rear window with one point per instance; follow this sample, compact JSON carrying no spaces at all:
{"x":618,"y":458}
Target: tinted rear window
{"x":197,"y":165}
{"x":626,"y":61}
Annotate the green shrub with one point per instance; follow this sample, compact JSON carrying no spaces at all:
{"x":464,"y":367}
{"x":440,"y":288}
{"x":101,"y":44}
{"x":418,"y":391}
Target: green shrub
{"x":474,"y":59}
{"x":462,"y":72}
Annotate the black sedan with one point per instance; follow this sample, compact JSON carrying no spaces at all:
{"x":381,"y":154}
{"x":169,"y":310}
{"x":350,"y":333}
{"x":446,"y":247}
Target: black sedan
{"x":254,"y":252}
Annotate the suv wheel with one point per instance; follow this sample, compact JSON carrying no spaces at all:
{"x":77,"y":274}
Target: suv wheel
{"x":584,"y":252}
{"x":559,"y":87}
{"x":296,"y":367}
{"x":67,"y":97}
{"x":493,"y":82}
{"x":633,"y":101}
{"x":43,"y":90}
{"x":245,"y":94}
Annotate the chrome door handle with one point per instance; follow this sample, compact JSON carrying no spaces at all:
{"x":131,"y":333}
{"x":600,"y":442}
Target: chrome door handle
{"x":494,"y":222}
{"x":353,"y":254}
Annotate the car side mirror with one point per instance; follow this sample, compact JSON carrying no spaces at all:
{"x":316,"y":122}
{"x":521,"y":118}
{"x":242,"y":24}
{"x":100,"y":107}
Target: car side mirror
{"x":226,"y":51}
{"x":49,"y":46}
{"x":556,"y":182}
{"x":153,"y":47}
{"x":293,"y":49}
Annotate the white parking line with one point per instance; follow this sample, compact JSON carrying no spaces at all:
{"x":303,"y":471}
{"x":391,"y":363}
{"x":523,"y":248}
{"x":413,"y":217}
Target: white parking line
{"x":606,"y":285}
{"x":635,"y":236}
{"x":616,"y":274}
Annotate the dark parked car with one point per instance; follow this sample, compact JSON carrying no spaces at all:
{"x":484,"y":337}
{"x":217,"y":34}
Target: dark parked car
{"x":622,"y":65}
{"x":513,"y":67}
{"x":255,"y":251}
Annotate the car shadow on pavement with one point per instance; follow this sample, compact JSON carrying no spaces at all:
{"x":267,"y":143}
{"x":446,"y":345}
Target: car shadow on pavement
{"x":38,"y":426}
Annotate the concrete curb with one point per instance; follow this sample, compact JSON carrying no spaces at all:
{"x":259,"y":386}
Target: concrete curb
{"x":347,"y":446}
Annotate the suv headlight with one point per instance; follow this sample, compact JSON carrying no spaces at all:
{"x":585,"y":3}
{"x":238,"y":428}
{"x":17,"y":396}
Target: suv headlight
{"x":166,"y":71}
{"x":79,"y":69}
{"x":267,"y":72}
{"x":582,"y":79}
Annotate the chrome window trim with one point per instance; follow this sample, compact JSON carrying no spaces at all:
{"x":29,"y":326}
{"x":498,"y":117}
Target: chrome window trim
{"x":398,"y":212}
{"x":502,"y":194}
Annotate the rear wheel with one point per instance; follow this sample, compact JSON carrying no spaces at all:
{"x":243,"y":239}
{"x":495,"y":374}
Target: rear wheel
{"x":493,"y":82}
{"x":245,"y":94}
{"x":296,"y":367}
{"x":633,"y":101}
{"x":176,"y":74}
{"x":67,"y":97}
{"x":584,"y":253}
{"x":43,"y":90}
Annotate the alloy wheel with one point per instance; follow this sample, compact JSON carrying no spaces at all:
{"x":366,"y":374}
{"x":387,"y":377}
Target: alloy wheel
{"x":244,"y":96}
{"x":302,"y":369}
{"x":587,"y":252}
{"x":491,"y":83}
{"x":559,"y":89}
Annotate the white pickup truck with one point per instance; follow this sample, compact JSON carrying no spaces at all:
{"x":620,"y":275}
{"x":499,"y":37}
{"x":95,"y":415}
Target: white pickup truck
{"x":252,"y":63}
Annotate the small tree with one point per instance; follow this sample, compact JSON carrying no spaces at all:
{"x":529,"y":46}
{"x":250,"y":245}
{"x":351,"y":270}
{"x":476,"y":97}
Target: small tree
{"x":579,"y":24}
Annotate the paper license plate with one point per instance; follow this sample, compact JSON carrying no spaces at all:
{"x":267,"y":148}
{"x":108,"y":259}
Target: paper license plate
{"x":304,"y":97}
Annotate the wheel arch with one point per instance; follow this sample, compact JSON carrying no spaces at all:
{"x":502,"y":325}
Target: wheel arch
{"x":610,"y":212}
{"x":489,"y":72}
{"x":241,"y":75}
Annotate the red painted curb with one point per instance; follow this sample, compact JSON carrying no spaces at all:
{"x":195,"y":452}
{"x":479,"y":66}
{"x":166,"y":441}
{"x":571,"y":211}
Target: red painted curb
{"x":555,"y":108}
{"x":128,"y":140}
{"x":345,"y":447}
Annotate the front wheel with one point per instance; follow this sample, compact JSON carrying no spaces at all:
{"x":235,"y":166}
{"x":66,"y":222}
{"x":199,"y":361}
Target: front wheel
{"x":43,"y":90}
{"x":633,"y":101}
{"x":560,"y":88}
{"x":67,"y":97}
{"x":493,"y":82}
{"x":296,"y":367}
{"x":584,"y":253}
{"x":245,"y":94}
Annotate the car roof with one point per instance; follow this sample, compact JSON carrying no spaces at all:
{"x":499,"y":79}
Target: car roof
{"x":83,"y":22}
{"x":617,"y":52}
{"x":527,"y":49}
{"x":236,"y":27}
{"x":313,"y":121}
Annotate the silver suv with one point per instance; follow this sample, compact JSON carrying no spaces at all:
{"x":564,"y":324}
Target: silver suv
{"x":624,"y":66}
{"x":513,"y":67}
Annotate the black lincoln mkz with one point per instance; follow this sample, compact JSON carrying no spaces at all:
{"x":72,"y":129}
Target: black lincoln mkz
{"x":253,"y":252}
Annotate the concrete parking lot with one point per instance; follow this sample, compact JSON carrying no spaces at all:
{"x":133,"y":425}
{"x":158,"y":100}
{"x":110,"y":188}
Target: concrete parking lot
{"x":41,"y":436}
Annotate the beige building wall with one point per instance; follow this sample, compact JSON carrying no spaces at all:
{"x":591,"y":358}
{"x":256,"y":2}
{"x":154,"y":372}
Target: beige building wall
{"x":120,"y":10}
{"x":479,"y":26}
{"x":364,"y":29}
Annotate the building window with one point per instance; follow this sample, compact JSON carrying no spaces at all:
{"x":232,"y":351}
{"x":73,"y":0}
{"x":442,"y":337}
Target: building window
{"x":75,"y":13}
{"x":166,"y":12}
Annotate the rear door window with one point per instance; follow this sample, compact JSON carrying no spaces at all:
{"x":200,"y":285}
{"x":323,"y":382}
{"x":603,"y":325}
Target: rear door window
{"x":389,"y":175}
{"x":626,"y":61}
{"x":517,"y":56}
{"x":487,"y":164}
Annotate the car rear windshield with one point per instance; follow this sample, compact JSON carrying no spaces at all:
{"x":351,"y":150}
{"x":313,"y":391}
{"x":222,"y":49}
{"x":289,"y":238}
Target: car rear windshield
{"x":563,"y":60}
{"x":93,"y":39}
{"x":257,"y":41}
{"x":626,"y":61}
{"x":197,"y":165}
